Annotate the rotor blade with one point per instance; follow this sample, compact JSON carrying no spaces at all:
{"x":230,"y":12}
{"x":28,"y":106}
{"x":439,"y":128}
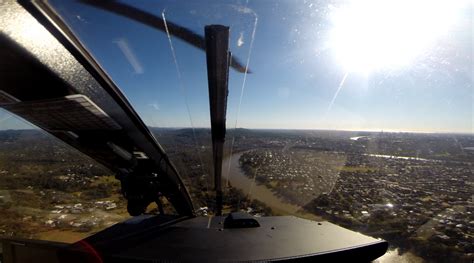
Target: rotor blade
{"x":156,"y":22}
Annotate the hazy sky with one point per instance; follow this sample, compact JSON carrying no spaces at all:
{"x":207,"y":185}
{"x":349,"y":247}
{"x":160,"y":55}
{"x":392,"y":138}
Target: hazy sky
{"x":316,"y":64}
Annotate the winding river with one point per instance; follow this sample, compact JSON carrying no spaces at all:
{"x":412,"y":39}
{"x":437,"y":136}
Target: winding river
{"x":232,"y":172}
{"x":239,"y":180}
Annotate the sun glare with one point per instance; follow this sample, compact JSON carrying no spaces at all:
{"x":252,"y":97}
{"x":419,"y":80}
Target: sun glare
{"x":371,"y":35}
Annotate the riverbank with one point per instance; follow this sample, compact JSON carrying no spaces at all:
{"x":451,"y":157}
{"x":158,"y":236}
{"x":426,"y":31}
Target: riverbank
{"x":232,"y":173}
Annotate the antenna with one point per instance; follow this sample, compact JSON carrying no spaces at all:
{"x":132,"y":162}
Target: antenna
{"x":218,"y":58}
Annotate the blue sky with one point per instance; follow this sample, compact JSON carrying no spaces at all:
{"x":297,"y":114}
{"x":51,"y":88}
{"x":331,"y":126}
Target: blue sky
{"x":295,"y":76}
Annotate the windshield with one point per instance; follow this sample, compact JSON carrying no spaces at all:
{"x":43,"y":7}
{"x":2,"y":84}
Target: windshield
{"x":50,"y":191}
{"x":356,"y":112}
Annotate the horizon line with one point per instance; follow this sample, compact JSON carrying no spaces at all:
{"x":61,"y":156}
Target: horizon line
{"x":298,"y":129}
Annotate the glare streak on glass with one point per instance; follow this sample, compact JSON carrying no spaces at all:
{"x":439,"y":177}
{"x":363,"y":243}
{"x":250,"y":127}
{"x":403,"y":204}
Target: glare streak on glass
{"x":337,"y":92}
{"x":253,"y":183}
{"x":183,"y":90}
{"x":251,"y":187}
{"x":242,"y":91}
{"x":129,"y":55}
{"x":173,"y":142}
{"x":5,"y":117}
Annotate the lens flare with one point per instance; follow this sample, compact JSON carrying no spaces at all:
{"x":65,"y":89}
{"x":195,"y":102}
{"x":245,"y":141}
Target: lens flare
{"x":370,"y":35}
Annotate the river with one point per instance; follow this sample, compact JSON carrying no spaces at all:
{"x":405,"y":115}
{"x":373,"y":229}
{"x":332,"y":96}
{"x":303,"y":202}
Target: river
{"x":239,"y":180}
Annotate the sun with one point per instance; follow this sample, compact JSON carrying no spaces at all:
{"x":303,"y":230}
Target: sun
{"x":372,"y":35}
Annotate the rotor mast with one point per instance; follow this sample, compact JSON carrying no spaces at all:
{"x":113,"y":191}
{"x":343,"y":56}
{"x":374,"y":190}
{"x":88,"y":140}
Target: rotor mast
{"x":218,"y":58}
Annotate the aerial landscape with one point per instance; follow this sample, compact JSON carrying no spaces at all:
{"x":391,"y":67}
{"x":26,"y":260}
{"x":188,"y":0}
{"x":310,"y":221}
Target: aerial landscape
{"x":357,"y":113}
{"x":414,"y":190}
